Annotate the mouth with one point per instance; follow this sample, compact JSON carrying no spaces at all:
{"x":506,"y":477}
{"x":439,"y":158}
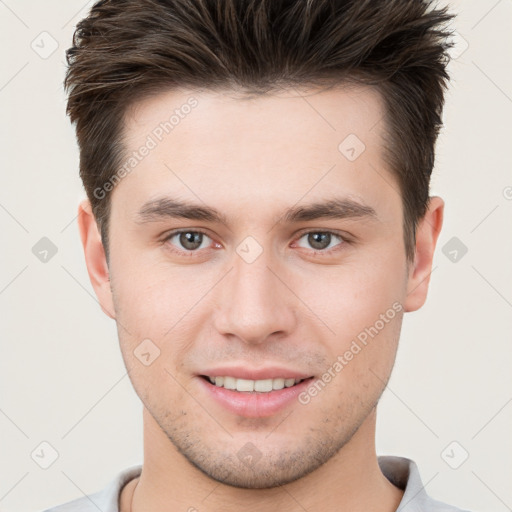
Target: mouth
{"x":253,"y":398}
{"x":252,"y":386}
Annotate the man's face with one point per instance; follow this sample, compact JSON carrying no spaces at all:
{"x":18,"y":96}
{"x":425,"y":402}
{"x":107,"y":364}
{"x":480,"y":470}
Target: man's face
{"x":260,"y":289}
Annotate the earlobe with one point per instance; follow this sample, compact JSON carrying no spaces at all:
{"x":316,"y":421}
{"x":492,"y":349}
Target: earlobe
{"x":427,"y":234}
{"x":95,"y":258}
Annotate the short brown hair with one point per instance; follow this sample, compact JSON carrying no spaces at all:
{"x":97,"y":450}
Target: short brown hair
{"x":125,"y":50}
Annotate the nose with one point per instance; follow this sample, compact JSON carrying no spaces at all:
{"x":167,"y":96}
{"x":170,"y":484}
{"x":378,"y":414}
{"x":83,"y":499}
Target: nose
{"x":255,"y":304}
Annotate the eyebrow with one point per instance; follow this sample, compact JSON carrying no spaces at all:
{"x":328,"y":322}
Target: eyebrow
{"x":164,"y":208}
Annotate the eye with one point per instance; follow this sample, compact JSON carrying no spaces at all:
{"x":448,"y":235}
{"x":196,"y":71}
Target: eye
{"x":188,"y":241}
{"x":321,"y":240}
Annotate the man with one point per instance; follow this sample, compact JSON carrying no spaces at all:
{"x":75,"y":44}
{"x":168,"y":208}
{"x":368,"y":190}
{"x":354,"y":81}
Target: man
{"x":258,"y":221}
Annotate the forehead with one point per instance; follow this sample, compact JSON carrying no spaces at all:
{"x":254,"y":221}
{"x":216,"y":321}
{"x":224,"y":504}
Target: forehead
{"x":302,"y":113}
{"x":281,"y":146}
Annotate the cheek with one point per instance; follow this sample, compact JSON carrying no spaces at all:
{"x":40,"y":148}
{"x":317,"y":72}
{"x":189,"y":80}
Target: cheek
{"x":151,"y":313}
{"x":156,"y":312}
{"x":353,"y":297}
{"x":151,"y":298}
{"x":362,"y":304}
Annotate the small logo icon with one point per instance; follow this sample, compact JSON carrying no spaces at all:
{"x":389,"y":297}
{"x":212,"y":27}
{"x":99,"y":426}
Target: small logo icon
{"x":249,"y":249}
{"x":249,"y":454}
{"x":44,"y":250}
{"x":351,"y":147}
{"x":44,"y":45}
{"x":454,"y":249}
{"x":44,"y":455}
{"x":455,"y":455}
{"x":146,"y":352}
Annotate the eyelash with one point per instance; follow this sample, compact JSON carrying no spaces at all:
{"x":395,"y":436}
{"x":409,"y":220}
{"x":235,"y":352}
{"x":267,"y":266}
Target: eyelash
{"x":343,"y":240}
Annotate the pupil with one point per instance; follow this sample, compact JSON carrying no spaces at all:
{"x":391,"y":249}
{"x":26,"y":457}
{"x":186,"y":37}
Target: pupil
{"x":319,"y":240}
{"x":191,"y":240}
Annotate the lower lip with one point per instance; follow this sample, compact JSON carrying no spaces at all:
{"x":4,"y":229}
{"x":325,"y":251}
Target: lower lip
{"x":254,"y":404}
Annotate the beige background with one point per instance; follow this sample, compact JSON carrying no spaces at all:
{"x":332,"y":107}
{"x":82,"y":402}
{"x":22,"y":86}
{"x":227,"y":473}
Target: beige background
{"x":62,"y":378}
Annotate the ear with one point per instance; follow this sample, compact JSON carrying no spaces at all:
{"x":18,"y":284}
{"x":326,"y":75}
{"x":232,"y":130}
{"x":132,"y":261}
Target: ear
{"x":95,"y":258}
{"x":427,"y":234}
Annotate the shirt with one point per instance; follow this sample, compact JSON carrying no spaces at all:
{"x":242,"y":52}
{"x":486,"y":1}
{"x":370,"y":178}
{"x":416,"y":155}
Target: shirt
{"x":401,"y":472}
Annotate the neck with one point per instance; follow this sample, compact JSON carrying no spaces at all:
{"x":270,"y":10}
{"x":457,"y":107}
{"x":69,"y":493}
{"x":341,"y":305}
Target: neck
{"x":351,"y":480}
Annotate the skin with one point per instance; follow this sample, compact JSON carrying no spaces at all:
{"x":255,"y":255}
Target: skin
{"x":251,"y":159}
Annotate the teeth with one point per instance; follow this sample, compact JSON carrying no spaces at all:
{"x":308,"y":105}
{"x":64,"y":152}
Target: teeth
{"x":244,"y":385}
{"x":247,"y":385}
{"x":277,"y":383}
{"x":263,"y":386}
{"x":229,"y":383}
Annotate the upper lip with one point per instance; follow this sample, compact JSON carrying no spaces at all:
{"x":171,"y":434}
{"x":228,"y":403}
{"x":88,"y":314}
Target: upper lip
{"x":242,"y":372}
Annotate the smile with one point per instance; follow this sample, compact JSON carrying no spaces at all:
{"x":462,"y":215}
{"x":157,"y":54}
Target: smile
{"x":248,"y":385}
